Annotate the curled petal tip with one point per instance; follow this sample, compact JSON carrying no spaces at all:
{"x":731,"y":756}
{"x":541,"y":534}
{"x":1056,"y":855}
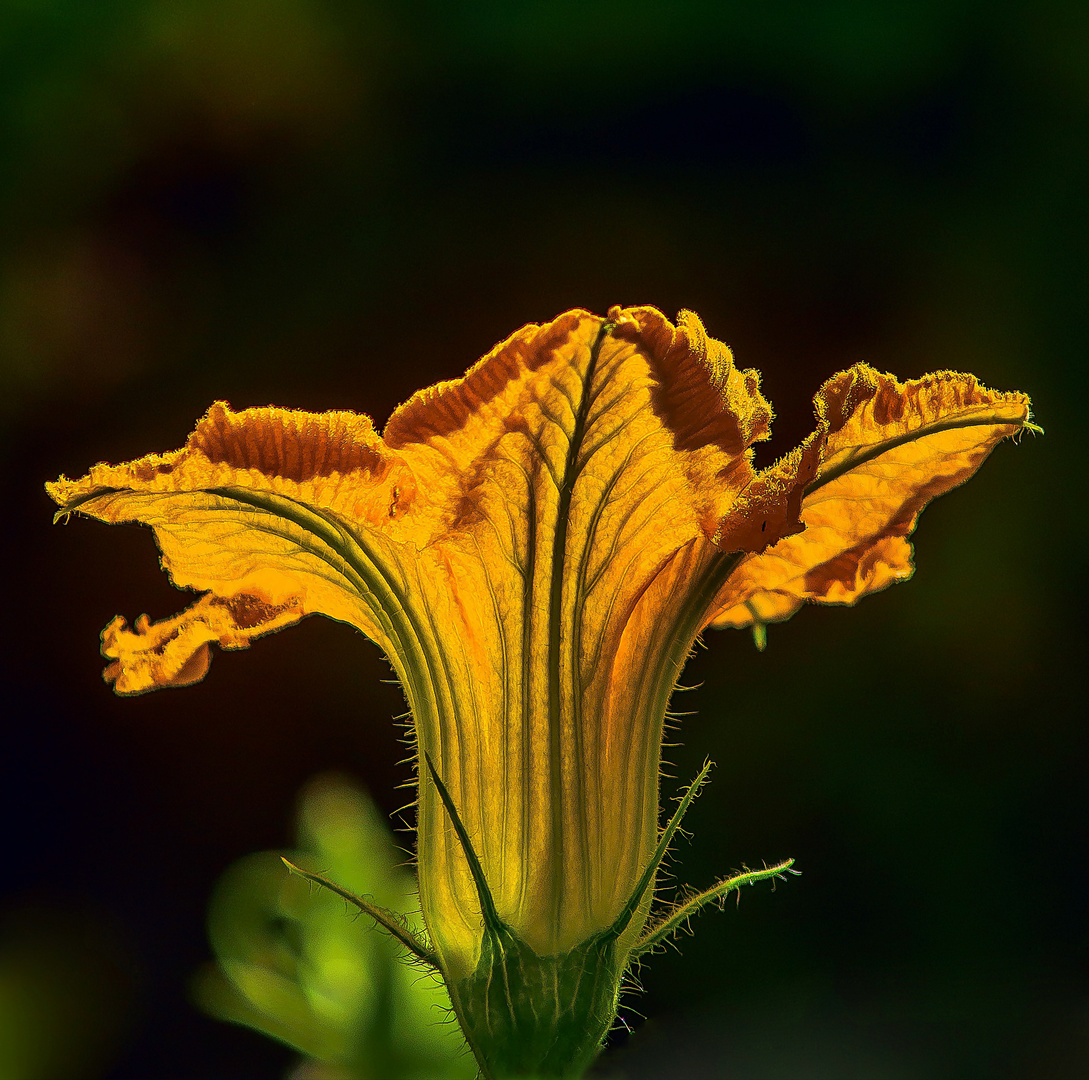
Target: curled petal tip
{"x":175,"y":651}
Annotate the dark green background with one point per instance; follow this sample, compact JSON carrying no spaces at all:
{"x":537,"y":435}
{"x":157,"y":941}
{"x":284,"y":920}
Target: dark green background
{"x":330,"y":204}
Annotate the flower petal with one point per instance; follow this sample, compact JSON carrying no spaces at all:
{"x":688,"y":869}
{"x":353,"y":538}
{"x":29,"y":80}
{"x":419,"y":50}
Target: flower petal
{"x":886,"y":449}
{"x":252,"y":506}
{"x":174,"y":652}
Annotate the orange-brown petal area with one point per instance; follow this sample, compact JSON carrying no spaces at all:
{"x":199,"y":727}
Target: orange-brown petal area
{"x":885,"y":450}
{"x":175,"y":651}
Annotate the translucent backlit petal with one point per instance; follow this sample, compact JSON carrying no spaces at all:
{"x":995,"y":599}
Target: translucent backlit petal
{"x":253,"y":505}
{"x":885,"y":450}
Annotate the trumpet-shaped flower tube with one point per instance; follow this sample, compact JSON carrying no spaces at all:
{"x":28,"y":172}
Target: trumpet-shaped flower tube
{"x":536,"y":546}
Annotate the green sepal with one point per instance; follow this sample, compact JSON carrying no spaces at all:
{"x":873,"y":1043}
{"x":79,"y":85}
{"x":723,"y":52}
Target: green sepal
{"x":390,"y":921}
{"x":645,"y":884}
{"x":484,"y":894}
{"x":670,"y":923}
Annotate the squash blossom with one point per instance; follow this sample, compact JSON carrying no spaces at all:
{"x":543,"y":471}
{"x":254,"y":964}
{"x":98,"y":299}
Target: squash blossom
{"x":536,"y":547}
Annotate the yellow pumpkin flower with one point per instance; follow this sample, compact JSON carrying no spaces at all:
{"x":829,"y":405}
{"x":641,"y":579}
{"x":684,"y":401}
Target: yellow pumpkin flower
{"x":536,"y":547}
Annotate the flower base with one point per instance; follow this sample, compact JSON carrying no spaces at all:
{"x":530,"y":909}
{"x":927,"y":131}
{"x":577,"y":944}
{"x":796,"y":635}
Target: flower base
{"x":527,"y":1015}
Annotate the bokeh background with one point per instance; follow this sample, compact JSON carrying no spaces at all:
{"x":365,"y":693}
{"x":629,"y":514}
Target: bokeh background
{"x":329,"y":203}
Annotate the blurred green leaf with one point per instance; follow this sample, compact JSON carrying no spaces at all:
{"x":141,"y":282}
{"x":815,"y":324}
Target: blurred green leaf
{"x":293,"y":962}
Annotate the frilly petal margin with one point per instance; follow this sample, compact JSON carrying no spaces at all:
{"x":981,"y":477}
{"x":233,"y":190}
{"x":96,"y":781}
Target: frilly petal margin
{"x":886,"y":449}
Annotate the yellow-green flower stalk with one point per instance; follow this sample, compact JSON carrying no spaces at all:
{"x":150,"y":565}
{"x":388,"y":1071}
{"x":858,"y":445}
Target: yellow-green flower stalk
{"x":536,"y":546}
